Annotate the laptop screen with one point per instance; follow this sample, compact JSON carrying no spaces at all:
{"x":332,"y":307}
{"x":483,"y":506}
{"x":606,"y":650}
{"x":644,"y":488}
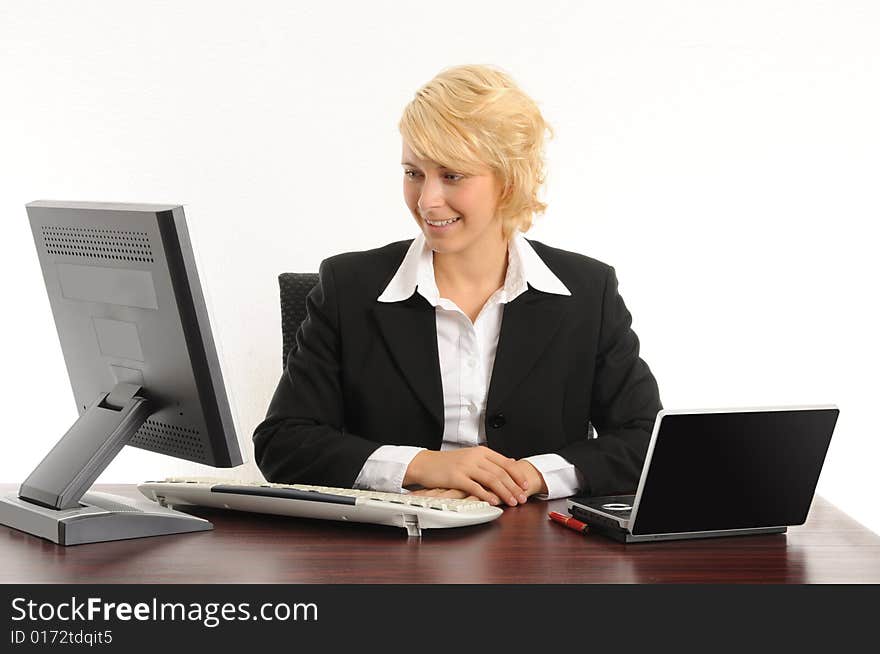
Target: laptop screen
{"x":735,"y":470}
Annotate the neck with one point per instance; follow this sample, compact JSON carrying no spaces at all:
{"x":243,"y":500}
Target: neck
{"x":472,"y":269}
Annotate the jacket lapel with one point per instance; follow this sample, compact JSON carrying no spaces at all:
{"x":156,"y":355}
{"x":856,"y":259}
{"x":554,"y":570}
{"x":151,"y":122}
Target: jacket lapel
{"x":410,"y":331}
{"x":529,"y":324}
{"x":527,"y":329}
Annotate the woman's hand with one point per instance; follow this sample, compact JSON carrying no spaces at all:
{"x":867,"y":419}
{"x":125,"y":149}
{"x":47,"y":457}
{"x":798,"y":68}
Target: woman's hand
{"x":533,"y":476}
{"x":453,"y":493}
{"x":477,"y":471}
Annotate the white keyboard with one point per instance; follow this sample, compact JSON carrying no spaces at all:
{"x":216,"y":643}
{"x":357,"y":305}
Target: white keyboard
{"x":412,"y":512}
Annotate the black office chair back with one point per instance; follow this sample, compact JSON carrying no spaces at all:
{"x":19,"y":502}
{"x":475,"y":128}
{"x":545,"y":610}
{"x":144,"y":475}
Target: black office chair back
{"x":294,"y":288}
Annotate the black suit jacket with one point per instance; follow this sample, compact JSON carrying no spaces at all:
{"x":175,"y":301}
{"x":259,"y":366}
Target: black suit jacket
{"x":365,"y":373}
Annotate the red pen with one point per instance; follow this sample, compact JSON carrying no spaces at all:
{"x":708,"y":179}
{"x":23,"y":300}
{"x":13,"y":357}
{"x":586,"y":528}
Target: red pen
{"x":570,"y":522}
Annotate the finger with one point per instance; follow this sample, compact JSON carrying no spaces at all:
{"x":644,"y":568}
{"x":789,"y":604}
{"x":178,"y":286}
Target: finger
{"x":422,"y":491}
{"x":453,"y":493}
{"x":501,"y":466}
{"x":491,"y":482}
{"x":512,"y":488}
{"x":472,"y":487}
{"x":510,"y":466}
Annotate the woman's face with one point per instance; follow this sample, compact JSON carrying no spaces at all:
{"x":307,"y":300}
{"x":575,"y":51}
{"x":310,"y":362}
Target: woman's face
{"x":436,"y":195}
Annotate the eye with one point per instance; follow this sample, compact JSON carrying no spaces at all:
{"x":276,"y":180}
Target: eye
{"x":410,"y":174}
{"x":453,"y":177}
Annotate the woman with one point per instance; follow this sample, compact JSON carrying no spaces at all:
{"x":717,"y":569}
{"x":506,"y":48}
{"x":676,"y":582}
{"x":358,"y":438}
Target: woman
{"x":469,"y":361}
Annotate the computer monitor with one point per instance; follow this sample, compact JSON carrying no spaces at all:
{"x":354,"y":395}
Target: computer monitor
{"x":137,"y":342}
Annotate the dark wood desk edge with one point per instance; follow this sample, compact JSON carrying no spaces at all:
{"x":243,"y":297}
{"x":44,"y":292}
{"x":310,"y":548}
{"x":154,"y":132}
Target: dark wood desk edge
{"x":830,"y":548}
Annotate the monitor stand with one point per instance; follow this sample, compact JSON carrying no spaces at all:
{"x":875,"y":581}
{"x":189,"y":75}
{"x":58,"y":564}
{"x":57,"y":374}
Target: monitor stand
{"x":52,"y":502}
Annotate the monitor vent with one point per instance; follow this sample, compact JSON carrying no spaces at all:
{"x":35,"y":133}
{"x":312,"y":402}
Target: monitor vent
{"x":98,"y":243}
{"x":170,"y":439}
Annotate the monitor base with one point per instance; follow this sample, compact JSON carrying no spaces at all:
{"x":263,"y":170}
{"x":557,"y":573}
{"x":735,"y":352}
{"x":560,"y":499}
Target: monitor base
{"x":100,"y":517}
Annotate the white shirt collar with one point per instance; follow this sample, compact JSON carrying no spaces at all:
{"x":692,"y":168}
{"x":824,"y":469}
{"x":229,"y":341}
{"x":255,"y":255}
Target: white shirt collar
{"x":524,"y":268}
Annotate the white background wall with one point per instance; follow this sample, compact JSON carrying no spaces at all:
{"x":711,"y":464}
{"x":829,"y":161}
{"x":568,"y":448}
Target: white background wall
{"x":724,"y":156}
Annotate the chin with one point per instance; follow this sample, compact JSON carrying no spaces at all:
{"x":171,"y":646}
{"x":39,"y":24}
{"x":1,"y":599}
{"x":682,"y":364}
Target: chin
{"x":444,"y":242}
{"x":441,"y":247}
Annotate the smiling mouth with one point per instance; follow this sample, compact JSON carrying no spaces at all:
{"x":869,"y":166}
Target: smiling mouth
{"x":442,"y":223}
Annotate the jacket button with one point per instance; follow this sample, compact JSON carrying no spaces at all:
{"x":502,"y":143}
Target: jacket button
{"x":498,"y":420}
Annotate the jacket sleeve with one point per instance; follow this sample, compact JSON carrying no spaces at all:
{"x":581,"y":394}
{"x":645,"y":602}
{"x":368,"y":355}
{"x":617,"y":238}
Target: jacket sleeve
{"x":302,"y":439}
{"x":623,"y":406}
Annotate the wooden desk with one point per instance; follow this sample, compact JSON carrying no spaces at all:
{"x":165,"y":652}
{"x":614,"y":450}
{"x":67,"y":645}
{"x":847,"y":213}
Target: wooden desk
{"x":522,"y":546}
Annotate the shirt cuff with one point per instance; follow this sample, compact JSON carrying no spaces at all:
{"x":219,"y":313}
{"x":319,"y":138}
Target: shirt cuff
{"x":560,"y":476}
{"x":385,"y":469}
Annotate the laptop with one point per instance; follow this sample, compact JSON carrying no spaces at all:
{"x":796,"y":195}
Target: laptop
{"x":719,"y":472}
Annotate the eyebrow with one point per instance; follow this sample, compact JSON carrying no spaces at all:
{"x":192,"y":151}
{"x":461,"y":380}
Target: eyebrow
{"x":412,"y":165}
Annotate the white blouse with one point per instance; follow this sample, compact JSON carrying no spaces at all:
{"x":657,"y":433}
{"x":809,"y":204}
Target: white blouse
{"x":467,"y":355}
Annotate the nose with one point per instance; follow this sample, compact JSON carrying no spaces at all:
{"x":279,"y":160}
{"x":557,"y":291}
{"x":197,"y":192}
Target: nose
{"x":431,"y":196}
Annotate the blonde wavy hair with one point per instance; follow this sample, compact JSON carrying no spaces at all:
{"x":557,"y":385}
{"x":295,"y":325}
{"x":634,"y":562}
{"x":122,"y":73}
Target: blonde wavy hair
{"x":476,"y":114}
